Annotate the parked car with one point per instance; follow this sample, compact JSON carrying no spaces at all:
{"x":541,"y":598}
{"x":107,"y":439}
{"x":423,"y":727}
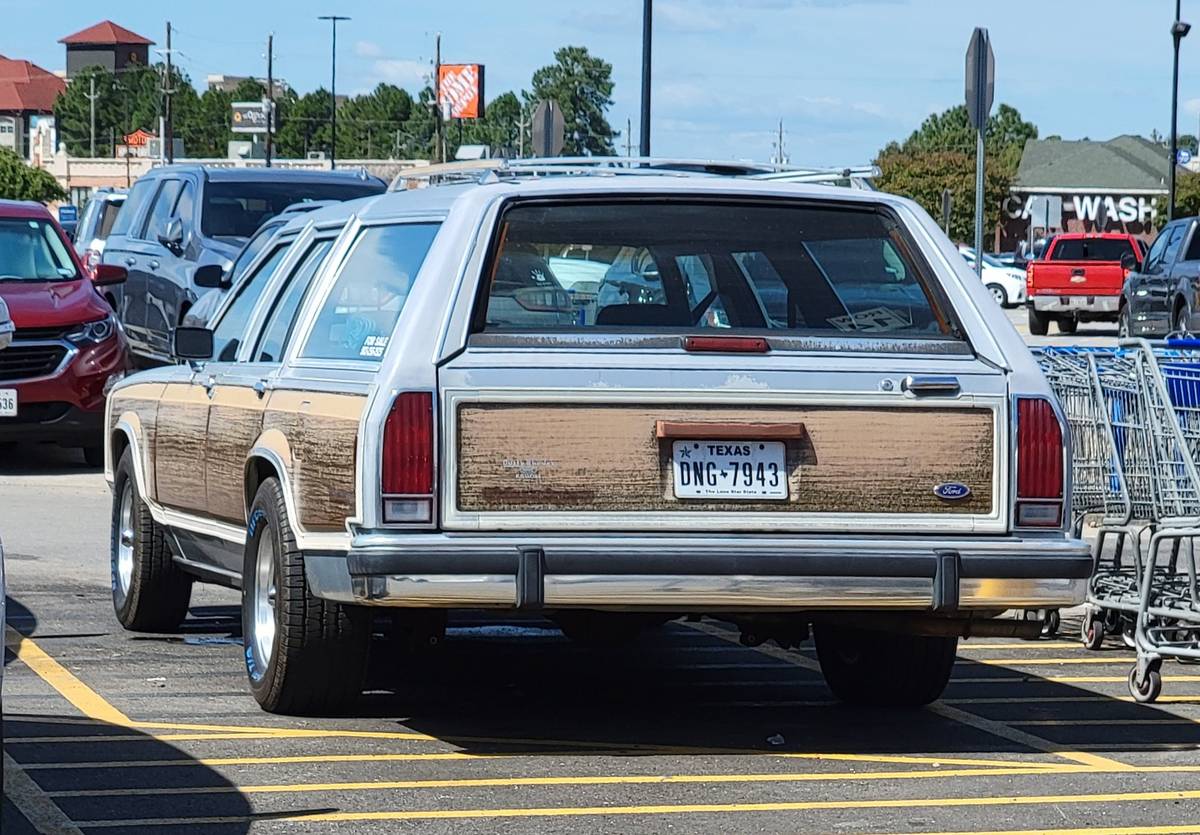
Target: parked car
{"x":96,"y":223}
{"x":1005,"y":283}
{"x":6,"y":325}
{"x":1079,"y":279}
{"x":180,"y":218}
{"x":375,"y":424}
{"x":1160,"y":297}
{"x":67,"y":347}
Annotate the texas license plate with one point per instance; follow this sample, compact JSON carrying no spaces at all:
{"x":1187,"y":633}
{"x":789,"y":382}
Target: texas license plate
{"x":729,"y":470}
{"x":8,"y":402}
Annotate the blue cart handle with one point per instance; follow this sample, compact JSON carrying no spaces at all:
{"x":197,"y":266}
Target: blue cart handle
{"x":1184,"y":342}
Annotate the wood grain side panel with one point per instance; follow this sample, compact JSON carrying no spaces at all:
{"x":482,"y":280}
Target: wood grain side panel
{"x":235,"y":416}
{"x":322,"y":431}
{"x":179,"y":447}
{"x":563,"y":457}
{"x":141,"y":400}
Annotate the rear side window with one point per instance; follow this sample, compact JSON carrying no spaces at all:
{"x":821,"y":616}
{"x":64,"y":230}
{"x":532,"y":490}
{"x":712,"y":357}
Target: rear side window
{"x":160,"y":212}
{"x":109,"y":210}
{"x":1091,"y":249}
{"x":138,"y":195}
{"x":235,"y":209}
{"x":229,"y":332}
{"x":359,"y":314}
{"x":710,"y":265}
{"x":283,"y":315}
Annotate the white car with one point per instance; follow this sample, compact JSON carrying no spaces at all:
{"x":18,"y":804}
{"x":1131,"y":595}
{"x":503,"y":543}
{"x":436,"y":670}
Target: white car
{"x":1005,"y":283}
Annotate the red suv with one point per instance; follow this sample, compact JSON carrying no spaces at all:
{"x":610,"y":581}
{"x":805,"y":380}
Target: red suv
{"x":67,"y":348}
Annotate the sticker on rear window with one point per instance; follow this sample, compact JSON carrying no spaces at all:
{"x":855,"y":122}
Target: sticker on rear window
{"x":876,"y":320}
{"x":373,"y":347}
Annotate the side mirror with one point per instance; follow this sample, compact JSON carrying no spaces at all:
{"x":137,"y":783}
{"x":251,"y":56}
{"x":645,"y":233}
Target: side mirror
{"x":172,"y":236}
{"x":193,"y":343}
{"x":104,"y":275}
{"x":208,"y":276}
{"x":1129,"y":261}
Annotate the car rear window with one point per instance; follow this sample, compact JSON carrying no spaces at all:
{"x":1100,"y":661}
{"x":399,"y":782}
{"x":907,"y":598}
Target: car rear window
{"x":237,"y":209}
{"x":1091,"y":249}
{"x":673,"y":265}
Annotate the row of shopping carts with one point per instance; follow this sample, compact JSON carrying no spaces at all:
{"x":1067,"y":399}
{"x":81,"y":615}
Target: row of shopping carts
{"x":1134,"y":414}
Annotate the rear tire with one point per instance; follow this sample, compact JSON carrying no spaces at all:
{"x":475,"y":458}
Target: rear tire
{"x":1068,"y":324}
{"x":998,"y":294}
{"x":150,"y":592}
{"x":1039,"y":323}
{"x":882,"y":668}
{"x":304,"y":655}
{"x":1124,"y":324}
{"x":93,"y":456}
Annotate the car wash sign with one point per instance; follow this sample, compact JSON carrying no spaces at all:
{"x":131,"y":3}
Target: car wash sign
{"x":1095,"y":209}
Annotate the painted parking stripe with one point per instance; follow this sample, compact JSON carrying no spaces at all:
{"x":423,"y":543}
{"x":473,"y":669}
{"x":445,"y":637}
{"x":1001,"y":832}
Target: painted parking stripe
{"x":33,"y":803}
{"x":86,"y":700}
{"x":668,"y":809}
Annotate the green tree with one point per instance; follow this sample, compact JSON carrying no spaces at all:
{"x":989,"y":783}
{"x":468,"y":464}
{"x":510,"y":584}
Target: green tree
{"x":303,"y":124}
{"x":19,"y":181}
{"x":368,"y":125}
{"x":922,"y":175}
{"x":582,"y":85}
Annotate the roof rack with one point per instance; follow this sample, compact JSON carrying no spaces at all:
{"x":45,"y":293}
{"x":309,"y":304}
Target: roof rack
{"x":496,"y":170}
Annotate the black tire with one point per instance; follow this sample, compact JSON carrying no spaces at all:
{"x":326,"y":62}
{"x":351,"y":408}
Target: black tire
{"x":93,"y":456}
{"x":605,"y":629}
{"x":881,"y":668}
{"x":1092,"y":632}
{"x":998,"y":294}
{"x":1051,"y":624}
{"x":1068,"y":324}
{"x":318,"y":653}
{"x":1124,"y":323}
{"x":150,"y":592}
{"x":1180,"y":323}
{"x":1039,"y":323}
{"x":1148,"y":689}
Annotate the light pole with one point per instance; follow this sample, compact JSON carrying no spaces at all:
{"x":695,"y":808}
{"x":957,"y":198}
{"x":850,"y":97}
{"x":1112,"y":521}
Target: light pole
{"x":1179,"y":31}
{"x":647,"y":31}
{"x":333,"y":20}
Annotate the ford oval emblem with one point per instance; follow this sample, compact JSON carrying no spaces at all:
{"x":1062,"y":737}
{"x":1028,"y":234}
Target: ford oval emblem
{"x":952,"y":491}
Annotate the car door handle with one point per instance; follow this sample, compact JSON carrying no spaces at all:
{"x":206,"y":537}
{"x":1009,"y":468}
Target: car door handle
{"x":129,"y":262}
{"x":210,"y":386}
{"x":260,"y":388}
{"x":154,"y":265}
{"x":928,"y":385}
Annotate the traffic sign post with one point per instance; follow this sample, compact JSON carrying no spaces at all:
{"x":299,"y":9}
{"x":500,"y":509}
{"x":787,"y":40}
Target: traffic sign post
{"x":947,"y":205}
{"x":549,"y":129}
{"x":980,"y":89}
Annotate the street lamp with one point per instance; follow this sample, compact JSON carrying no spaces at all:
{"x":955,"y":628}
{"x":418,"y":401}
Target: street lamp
{"x":333,"y":20}
{"x":1179,"y":31}
{"x":647,"y":30}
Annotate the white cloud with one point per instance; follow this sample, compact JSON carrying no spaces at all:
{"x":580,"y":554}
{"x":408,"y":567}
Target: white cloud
{"x":677,"y":17}
{"x":367,"y":49}
{"x":401,"y":71}
{"x":1192,"y":106}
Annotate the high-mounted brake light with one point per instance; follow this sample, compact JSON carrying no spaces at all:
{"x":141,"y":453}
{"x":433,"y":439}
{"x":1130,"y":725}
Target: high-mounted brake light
{"x":407,"y":465}
{"x":726,"y":344}
{"x":1040,"y":457}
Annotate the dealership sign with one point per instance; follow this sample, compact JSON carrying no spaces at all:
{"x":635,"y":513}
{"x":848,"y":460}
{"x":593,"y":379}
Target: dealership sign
{"x":1090,"y":207}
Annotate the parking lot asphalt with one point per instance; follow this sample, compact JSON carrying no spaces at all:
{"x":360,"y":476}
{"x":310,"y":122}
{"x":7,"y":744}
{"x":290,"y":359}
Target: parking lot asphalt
{"x":509,"y":727}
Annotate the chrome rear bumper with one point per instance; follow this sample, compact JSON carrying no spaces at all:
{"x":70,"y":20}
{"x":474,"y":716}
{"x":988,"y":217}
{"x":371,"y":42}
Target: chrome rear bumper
{"x":712,"y":573}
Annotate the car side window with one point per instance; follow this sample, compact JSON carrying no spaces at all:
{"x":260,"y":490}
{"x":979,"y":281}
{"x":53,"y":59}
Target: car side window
{"x":185,"y":203}
{"x":1193,"y":249}
{"x":1155,"y":255}
{"x":160,"y":212}
{"x":231,"y":329}
{"x":138,"y":195}
{"x":1172,"y":250}
{"x":282,"y":318}
{"x":356,"y":320}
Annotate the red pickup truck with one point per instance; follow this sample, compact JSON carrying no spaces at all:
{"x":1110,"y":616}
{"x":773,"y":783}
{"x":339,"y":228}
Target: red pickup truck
{"x":1079,"y":279}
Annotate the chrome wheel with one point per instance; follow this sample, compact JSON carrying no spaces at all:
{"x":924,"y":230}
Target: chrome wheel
{"x":998,"y":294}
{"x":123,"y":567}
{"x":263,"y":640}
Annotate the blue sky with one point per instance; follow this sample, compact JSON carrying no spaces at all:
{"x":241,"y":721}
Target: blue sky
{"x":845,"y":76}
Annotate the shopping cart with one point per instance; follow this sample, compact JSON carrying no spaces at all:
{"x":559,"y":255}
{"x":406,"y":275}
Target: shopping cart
{"x":1168,"y":616}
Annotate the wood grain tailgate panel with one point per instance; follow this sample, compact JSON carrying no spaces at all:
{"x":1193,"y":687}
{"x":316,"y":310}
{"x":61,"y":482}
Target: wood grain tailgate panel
{"x":570,"y":457}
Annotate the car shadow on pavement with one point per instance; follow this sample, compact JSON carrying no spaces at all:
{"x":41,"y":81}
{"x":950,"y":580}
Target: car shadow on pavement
{"x":41,"y":459}
{"x":522,"y":687}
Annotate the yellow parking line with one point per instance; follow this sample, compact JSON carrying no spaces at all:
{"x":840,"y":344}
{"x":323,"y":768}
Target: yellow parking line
{"x":1022,"y":662}
{"x":1070,"y":723}
{"x":589,"y":780}
{"x":1065,"y":679}
{"x":216,"y":762}
{"x":86,"y":700}
{"x":1008,"y":700}
{"x":1030,"y":645}
{"x":670,"y":809}
{"x":1182,"y":829}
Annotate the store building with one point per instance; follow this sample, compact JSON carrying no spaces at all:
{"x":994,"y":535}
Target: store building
{"x":106,"y":45}
{"x":27,"y":95}
{"x":1113,"y":186}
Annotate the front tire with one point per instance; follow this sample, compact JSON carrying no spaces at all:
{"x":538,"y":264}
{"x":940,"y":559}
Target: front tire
{"x":304,"y":655}
{"x":150,"y":592}
{"x":881,"y":668}
{"x":1124,"y":323}
{"x":998,"y":294}
{"x":1039,"y":323}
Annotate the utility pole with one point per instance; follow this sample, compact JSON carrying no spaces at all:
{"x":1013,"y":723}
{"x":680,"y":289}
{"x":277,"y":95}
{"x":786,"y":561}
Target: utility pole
{"x":91,"y":97}
{"x":628,"y":137}
{"x":780,"y":155}
{"x":522,"y":124}
{"x":437,"y":98}
{"x":333,"y":19}
{"x":647,"y":27}
{"x":270,"y":95}
{"x":168,"y":137}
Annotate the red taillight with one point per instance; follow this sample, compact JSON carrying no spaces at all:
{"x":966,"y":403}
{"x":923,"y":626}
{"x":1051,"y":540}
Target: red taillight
{"x":1039,"y":464}
{"x":726,"y":344}
{"x":407,"y":466}
{"x":90,"y":259}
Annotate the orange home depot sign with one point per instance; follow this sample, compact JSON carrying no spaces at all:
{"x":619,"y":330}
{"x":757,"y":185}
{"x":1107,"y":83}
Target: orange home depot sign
{"x":460,"y":91}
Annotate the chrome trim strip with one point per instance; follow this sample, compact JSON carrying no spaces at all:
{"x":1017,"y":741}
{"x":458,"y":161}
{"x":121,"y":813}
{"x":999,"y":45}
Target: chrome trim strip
{"x":71,"y":353}
{"x":234,"y":577}
{"x":437,"y":590}
{"x":1020,"y":594}
{"x":739,"y":592}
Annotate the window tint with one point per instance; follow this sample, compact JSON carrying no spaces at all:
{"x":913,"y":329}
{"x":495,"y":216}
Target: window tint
{"x":250,"y":250}
{"x":31,"y":250}
{"x":358,"y":316}
{"x":713,"y":265}
{"x":109,"y":211}
{"x":185,"y":205}
{"x":1193,"y":250}
{"x":236,"y":209}
{"x":138,"y":195}
{"x":1171,"y":250}
{"x":228,"y":334}
{"x":1091,"y":249}
{"x":160,"y":212}
{"x":283,"y":316}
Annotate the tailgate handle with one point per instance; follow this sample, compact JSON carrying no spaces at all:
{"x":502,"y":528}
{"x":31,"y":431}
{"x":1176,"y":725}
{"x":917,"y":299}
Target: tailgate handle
{"x":928,"y":385}
{"x":1077,"y":271}
{"x":684,"y":430}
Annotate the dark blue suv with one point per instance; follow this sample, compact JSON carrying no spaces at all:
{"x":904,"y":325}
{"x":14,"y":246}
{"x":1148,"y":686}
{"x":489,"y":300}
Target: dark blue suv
{"x":179,"y":218}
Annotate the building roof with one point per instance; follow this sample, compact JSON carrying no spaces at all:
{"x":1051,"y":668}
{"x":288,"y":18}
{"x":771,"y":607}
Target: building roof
{"x":26,"y":87}
{"x":1124,"y":164}
{"x":106,"y":32}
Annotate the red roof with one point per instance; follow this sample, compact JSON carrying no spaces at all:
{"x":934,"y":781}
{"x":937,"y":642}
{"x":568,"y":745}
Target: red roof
{"x":27,"y":87}
{"x":105,"y":32}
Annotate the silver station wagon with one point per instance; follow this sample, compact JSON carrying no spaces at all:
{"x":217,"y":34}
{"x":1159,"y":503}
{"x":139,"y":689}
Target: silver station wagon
{"x":612,"y":397}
